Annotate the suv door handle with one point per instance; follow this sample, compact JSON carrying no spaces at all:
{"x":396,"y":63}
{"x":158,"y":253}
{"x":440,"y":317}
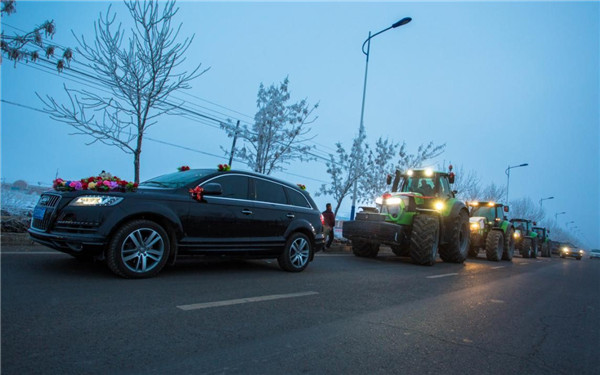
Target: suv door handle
{"x":246,"y":211}
{"x":291,"y":216}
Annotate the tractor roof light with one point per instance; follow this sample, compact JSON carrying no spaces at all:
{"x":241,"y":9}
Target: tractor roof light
{"x":474,"y":204}
{"x":491,"y":204}
{"x":428,"y":172}
{"x":410,"y":172}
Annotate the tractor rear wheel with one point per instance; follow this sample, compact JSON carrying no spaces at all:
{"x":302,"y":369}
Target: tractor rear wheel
{"x":424,"y":239}
{"x":457,"y":249}
{"x":400,"y":250}
{"x":365,"y":249}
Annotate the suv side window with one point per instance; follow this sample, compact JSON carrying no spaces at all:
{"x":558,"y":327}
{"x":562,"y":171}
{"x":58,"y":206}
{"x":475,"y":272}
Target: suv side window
{"x":296,"y":198}
{"x":234,"y":186}
{"x":267,"y":191}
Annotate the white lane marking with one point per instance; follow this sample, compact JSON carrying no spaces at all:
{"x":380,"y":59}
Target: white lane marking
{"x":230,"y":302}
{"x":497,"y":267}
{"x":444,"y":275}
{"x":31,"y":253}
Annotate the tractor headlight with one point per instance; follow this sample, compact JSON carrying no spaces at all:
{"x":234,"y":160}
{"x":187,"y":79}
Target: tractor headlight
{"x":565,"y":249}
{"x":580,"y":251}
{"x":379,"y":200}
{"x":393,"y":201}
{"x":428,"y":172}
{"x":410,"y":172}
{"x":475,"y":226}
{"x":96,"y":200}
{"x":517,"y":234}
{"x":439,"y":205}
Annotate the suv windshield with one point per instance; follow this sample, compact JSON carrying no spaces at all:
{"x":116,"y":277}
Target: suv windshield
{"x":177,"y":179}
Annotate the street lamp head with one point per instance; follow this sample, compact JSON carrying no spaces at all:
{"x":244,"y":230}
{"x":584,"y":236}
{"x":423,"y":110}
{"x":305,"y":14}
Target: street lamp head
{"x":402,"y":22}
{"x":550,"y":198}
{"x":524,"y":165}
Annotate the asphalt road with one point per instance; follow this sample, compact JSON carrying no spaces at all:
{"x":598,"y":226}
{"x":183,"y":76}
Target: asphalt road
{"x":342,"y":315}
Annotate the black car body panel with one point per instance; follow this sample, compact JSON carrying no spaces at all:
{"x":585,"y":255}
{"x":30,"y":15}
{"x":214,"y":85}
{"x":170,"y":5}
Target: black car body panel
{"x":235,"y":222}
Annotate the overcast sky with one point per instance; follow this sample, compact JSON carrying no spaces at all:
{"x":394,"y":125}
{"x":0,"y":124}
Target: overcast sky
{"x":500,"y":83}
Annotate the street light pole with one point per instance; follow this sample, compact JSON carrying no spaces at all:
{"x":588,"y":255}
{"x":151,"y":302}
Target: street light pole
{"x":507,"y":171}
{"x":545,"y":199}
{"x":361,"y":128}
{"x":558,"y":213}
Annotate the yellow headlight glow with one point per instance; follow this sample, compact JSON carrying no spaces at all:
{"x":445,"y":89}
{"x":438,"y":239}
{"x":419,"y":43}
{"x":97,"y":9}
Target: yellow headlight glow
{"x":394,"y":200}
{"x":517,"y":235}
{"x":439,"y":205}
{"x":492,"y":204}
{"x":410,"y":172}
{"x":474,"y":226}
{"x":428,"y":172}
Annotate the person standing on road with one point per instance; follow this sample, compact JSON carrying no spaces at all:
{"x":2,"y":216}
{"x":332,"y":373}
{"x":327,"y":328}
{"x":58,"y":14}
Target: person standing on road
{"x":329,"y":218}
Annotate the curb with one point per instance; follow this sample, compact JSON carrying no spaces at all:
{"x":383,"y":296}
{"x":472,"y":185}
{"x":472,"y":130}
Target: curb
{"x":16,"y":239}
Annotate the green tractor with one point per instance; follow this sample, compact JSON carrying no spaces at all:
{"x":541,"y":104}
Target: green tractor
{"x":420,"y":218}
{"x":544,"y":241}
{"x":491,"y":230}
{"x":526,"y":240}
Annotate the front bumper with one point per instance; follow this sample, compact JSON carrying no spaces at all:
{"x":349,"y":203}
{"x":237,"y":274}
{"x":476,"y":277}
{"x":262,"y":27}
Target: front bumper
{"x":69,"y":243}
{"x":376,"y":231}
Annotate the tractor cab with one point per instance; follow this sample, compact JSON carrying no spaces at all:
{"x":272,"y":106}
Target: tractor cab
{"x":491,"y":213}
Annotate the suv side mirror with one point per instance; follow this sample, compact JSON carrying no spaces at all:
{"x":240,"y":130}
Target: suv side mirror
{"x":212,"y":188}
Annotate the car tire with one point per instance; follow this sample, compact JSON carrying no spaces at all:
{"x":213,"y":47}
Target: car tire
{"x":578,"y":258}
{"x":509,"y":244}
{"x":365,"y":249}
{"x":424,"y":239}
{"x":296,"y":254}
{"x":138,"y":249}
{"x":525,"y":249}
{"x":457,"y":248}
{"x":401,"y":251}
{"x":494,"y":245}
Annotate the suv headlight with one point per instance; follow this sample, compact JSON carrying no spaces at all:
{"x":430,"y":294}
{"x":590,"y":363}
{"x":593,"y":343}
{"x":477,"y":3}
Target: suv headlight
{"x":96,"y":200}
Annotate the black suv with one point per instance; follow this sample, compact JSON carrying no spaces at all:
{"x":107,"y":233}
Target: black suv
{"x":197,"y":211}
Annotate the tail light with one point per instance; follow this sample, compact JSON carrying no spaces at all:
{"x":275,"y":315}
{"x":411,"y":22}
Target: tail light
{"x":322,"y":220}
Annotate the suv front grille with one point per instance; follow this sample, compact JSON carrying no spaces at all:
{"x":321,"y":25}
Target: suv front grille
{"x":44,"y":210}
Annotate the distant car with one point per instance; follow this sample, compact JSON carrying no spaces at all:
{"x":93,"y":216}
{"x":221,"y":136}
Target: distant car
{"x":192,"y":212}
{"x":595,"y":253}
{"x":571,"y":251}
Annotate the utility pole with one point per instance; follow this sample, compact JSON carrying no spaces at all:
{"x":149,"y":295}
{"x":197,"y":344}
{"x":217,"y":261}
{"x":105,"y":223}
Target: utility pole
{"x":237,"y":126}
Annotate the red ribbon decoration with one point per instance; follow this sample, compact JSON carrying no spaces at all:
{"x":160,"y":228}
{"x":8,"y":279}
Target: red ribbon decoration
{"x":196,"y":193}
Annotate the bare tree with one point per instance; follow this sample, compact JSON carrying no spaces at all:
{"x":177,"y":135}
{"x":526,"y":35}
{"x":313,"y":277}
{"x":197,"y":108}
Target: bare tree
{"x":467,"y":184}
{"x":139,"y":73}
{"x":525,"y":208}
{"x":31,"y":46}
{"x":379,"y":163}
{"x":345,"y":169}
{"x":493,"y":192}
{"x":274,"y":138}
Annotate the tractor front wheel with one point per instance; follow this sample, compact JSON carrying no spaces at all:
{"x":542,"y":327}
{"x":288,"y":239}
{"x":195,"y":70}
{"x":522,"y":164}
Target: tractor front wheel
{"x":424,"y":239}
{"x":365,"y":249}
{"x":509,"y":245}
{"x":526,"y":248}
{"x":457,"y":249}
{"x":494,"y":245}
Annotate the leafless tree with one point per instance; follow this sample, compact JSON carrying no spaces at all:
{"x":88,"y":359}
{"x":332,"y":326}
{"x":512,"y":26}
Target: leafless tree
{"x":30,"y":46}
{"x":467,"y":184}
{"x":141,"y":75}
{"x":345,"y":169}
{"x":525,"y":208}
{"x":493,"y":192}
{"x":274,"y":138}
